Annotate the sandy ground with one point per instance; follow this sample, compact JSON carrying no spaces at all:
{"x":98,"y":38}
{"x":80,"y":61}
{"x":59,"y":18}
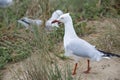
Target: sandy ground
{"x":106,"y":69}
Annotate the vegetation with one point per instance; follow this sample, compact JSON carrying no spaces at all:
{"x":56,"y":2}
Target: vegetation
{"x":17,"y":44}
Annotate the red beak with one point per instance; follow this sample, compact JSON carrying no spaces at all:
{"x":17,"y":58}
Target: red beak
{"x":56,"y":21}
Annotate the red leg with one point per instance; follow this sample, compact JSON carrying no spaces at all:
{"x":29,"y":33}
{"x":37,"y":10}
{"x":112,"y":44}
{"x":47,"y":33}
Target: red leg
{"x":88,"y":67}
{"x":74,"y":71}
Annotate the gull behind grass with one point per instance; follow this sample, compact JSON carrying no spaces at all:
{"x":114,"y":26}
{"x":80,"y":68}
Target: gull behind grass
{"x":28,"y":23}
{"x":55,"y":15}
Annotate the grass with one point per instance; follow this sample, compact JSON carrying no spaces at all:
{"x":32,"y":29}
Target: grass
{"x":13,"y":48}
{"x":16,"y":44}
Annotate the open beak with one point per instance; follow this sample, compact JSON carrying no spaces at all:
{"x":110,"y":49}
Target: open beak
{"x":56,"y":21}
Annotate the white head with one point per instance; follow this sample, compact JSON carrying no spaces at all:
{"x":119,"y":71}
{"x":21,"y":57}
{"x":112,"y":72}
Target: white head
{"x":63,"y":18}
{"x":56,"y":14}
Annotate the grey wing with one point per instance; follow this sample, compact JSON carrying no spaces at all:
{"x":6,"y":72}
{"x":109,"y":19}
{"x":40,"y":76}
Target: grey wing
{"x":81,"y":48}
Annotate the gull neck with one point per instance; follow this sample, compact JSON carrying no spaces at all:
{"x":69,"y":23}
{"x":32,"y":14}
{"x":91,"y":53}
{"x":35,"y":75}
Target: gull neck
{"x":69,"y":29}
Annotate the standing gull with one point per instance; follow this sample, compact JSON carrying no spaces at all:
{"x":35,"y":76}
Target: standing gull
{"x":55,"y":15}
{"x":77,"y":47}
{"x":5,"y":3}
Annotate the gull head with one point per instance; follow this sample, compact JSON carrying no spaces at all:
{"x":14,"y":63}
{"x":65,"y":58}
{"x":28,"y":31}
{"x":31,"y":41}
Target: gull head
{"x":56,"y":14}
{"x":63,"y":18}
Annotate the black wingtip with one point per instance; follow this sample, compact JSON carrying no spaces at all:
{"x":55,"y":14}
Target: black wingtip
{"x":108,"y":54}
{"x":25,"y":21}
